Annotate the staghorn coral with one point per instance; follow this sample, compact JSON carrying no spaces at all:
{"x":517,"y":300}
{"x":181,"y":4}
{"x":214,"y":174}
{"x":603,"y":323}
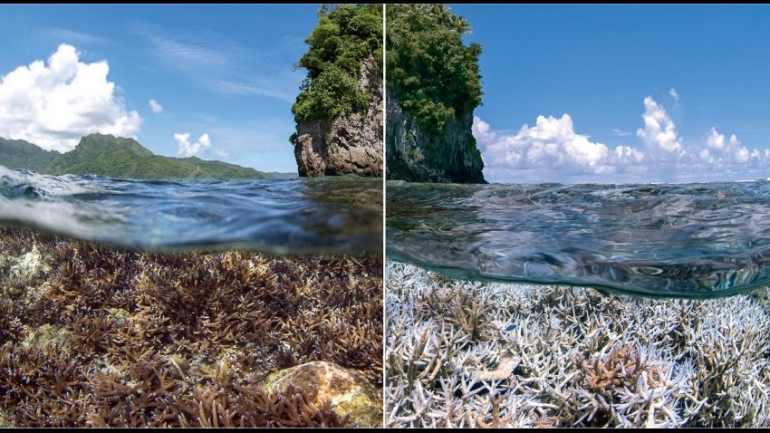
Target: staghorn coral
{"x":575,"y":358}
{"x":113,"y":337}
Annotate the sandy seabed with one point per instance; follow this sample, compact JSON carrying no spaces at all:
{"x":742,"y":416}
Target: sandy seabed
{"x":471,"y":354}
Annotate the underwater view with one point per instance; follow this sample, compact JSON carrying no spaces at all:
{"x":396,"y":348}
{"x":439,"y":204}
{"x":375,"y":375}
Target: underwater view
{"x":130,"y":303}
{"x":548,"y":305}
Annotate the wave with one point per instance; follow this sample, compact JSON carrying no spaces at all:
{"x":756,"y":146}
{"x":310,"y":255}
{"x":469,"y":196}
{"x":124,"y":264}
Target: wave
{"x":665,"y":240}
{"x":330,"y":215}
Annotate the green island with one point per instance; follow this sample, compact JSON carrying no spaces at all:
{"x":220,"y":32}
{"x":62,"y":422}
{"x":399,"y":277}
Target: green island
{"x":345,"y":34}
{"x":433,"y":86}
{"x":107,"y":155}
{"x":431,"y":72}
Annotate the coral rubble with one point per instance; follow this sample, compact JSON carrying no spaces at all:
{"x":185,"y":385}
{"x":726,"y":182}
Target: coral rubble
{"x":471,"y":354}
{"x":92,"y":335}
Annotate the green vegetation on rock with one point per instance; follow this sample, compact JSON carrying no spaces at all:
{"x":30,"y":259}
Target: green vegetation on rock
{"x":345,"y":35}
{"x":433,"y":87}
{"x":430,"y":72}
{"x":107,"y":155}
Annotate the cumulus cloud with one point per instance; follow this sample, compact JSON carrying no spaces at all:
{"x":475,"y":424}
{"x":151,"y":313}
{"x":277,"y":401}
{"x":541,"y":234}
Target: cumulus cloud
{"x":551,"y":151}
{"x":674,"y":95}
{"x":54,"y":104}
{"x":659,"y":134}
{"x":551,"y":148}
{"x":719,"y":150}
{"x":155,"y":107}
{"x":186,"y":149}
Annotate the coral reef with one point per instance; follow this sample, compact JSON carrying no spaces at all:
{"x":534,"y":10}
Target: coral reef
{"x":471,"y":354}
{"x":92,"y":335}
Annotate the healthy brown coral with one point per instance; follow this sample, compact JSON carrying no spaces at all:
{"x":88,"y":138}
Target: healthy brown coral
{"x":183,"y":339}
{"x":621,"y":368}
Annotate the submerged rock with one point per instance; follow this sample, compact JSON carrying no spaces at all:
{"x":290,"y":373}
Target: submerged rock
{"x":28,"y":266}
{"x":351,"y":143}
{"x":349,"y":391}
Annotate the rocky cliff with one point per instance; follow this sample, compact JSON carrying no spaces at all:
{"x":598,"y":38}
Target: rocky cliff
{"x":351,"y":143}
{"x":434,"y":85}
{"x":415,"y":155}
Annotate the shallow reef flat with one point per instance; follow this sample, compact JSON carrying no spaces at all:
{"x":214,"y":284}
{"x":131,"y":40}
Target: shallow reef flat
{"x":92,"y":335}
{"x":471,"y":354}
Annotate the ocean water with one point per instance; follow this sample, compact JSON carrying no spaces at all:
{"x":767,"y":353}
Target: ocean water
{"x":329,"y":215}
{"x":141,"y":291}
{"x":699,"y":240}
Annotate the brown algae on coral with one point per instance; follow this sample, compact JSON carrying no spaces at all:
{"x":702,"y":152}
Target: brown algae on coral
{"x":93,"y":335}
{"x":575,"y":358}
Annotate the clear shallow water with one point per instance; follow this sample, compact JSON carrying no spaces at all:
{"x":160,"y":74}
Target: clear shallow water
{"x":330,"y":215}
{"x":684,"y":240}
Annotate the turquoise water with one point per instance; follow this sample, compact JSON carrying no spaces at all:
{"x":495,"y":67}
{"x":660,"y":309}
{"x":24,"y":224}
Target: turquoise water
{"x":329,"y":215}
{"x":698,"y":240}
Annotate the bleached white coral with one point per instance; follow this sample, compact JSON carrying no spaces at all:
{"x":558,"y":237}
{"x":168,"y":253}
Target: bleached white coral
{"x":575,"y":357}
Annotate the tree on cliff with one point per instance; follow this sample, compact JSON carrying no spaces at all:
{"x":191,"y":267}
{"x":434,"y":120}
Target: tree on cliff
{"x":345,"y":35}
{"x":430,"y":72}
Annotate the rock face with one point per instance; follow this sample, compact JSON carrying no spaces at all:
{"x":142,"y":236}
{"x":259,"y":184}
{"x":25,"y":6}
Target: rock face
{"x":350,"y":143}
{"x":414,"y":155}
{"x":349,"y":391}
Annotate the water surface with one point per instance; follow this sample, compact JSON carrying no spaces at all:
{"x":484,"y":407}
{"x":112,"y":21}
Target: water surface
{"x":662,"y":240}
{"x":329,"y":215}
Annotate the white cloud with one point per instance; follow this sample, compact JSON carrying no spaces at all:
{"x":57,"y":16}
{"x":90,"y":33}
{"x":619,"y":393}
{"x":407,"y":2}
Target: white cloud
{"x":674,"y":95}
{"x":621,"y":133}
{"x":222,"y":154}
{"x":720,"y":151}
{"x":155,"y":107}
{"x":54,"y":105}
{"x":716,"y":140}
{"x":552,"y":151}
{"x":659,"y":134}
{"x":188,"y":55}
{"x":186,"y":149}
{"x":74,"y":37}
{"x":551,"y":146}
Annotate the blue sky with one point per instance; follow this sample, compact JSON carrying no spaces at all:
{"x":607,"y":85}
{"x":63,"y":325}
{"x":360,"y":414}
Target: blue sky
{"x":573,"y":93}
{"x":627,"y":93}
{"x":220,"y":77}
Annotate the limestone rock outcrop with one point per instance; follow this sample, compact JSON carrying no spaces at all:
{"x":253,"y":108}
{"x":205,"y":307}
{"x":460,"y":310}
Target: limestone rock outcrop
{"x":414,"y":155}
{"x":350,"y":143}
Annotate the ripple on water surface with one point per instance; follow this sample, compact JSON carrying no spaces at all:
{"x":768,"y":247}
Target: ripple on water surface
{"x":666,"y":240}
{"x":329,"y":215}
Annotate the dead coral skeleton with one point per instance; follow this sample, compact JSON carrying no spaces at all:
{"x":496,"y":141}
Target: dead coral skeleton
{"x":575,"y":358}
